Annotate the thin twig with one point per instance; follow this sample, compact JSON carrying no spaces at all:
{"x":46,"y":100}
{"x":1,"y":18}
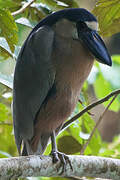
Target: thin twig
{"x":26,"y":5}
{"x":80,"y":101}
{"x":98,"y":122}
{"x":84,"y":106}
{"x":106,"y":98}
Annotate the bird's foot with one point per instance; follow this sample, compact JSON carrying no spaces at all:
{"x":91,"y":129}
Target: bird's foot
{"x":63,"y":158}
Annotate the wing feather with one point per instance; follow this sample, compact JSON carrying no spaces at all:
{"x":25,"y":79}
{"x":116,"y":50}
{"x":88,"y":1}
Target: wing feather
{"x":33,"y":78}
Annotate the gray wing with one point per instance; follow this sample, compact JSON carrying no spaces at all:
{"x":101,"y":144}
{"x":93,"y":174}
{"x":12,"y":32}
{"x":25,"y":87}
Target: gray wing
{"x":33,"y":78}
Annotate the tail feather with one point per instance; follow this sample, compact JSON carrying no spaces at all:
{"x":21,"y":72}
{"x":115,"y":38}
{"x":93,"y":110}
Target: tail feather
{"x":35,"y":146}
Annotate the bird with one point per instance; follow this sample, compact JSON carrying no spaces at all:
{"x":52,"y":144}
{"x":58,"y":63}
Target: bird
{"x":53,"y":63}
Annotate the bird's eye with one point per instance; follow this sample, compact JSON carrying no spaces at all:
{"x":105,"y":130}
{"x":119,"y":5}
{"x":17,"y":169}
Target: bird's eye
{"x":82,"y":26}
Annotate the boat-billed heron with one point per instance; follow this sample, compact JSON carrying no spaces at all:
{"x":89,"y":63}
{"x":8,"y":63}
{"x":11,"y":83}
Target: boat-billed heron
{"x":51,"y":68}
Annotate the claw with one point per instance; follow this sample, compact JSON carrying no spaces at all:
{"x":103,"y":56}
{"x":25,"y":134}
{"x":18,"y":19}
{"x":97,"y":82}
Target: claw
{"x":63,"y":158}
{"x":58,"y":155}
{"x":55,"y":156}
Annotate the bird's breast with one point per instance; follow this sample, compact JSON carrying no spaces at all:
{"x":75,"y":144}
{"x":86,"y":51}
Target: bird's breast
{"x":73,"y":63}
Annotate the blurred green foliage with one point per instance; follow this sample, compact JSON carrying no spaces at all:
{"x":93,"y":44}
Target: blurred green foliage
{"x":108,"y":14}
{"x":13,"y":32}
{"x":8,"y":33}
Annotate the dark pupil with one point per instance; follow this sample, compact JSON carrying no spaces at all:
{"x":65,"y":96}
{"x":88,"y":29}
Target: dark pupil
{"x":82,"y":26}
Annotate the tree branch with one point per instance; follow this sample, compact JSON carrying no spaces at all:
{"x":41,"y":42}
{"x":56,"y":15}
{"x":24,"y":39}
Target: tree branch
{"x":26,"y":5}
{"x":32,"y":166}
{"x":106,"y":98}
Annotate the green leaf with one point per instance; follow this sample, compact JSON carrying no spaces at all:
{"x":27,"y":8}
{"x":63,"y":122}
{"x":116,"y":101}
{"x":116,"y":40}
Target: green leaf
{"x":53,"y":5}
{"x":95,"y":142}
{"x":16,"y":52}
{"x":7,"y":142}
{"x":75,"y":129}
{"x":4,"y":113}
{"x":70,"y":3}
{"x":81,"y":131}
{"x":5,"y":154}
{"x":78,"y":132}
{"x":22,"y":35}
{"x":111,"y":149}
{"x":36,"y":12}
{"x":25,"y":22}
{"x":102,"y":89}
{"x":7,"y":80}
{"x":48,"y":149}
{"x":108,"y":14}
{"x":12,"y":5}
{"x":111,"y":74}
{"x":108,"y":80}
{"x":116,"y":58}
{"x":5,"y":48}
{"x":8,"y":29}
{"x":58,"y":5}
{"x":68,"y":145}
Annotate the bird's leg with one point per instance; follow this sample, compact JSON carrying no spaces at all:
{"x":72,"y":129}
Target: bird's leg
{"x":58,"y":155}
{"x":54,"y":151}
